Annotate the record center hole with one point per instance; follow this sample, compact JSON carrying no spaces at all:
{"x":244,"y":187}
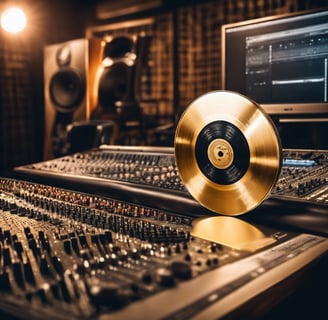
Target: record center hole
{"x":220,"y":153}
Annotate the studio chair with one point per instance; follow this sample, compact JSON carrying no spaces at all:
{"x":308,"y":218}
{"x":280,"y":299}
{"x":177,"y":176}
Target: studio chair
{"x":88,"y":134}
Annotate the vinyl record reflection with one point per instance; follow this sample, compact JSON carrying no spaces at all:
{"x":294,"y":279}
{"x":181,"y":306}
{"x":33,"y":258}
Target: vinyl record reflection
{"x":231,"y":232}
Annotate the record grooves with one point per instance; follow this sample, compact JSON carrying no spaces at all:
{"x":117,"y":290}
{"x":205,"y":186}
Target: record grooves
{"x":215,"y":152}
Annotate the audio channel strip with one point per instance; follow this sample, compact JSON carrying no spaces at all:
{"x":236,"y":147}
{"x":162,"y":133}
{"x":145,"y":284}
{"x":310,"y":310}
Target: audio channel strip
{"x":149,"y":175}
{"x":71,"y":255}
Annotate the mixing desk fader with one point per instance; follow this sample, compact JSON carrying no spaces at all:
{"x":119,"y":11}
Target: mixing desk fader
{"x":71,"y":255}
{"x":304,"y":176}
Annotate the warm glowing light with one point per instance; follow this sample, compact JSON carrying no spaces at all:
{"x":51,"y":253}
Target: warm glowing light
{"x":13,"y":20}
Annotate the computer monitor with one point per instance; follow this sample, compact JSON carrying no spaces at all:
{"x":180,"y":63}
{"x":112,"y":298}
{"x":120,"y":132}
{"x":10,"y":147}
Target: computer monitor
{"x":281,"y":62}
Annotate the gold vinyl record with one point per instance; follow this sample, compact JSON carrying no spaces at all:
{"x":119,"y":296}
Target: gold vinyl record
{"x":228,"y":152}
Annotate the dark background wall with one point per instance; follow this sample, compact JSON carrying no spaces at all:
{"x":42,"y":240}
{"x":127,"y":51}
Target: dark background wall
{"x":186,"y":47}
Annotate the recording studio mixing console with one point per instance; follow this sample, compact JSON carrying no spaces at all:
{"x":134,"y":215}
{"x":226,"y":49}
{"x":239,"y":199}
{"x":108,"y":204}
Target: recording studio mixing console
{"x":66,"y":254}
{"x":304,"y":174}
{"x":149,"y":175}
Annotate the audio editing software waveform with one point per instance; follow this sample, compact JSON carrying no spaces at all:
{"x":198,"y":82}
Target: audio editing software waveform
{"x":70,"y":255}
{"x":304,"y":173}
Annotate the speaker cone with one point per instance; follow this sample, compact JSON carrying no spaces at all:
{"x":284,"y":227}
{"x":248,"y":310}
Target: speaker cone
{"x":67,"y":90}
{"x":114,"y":84}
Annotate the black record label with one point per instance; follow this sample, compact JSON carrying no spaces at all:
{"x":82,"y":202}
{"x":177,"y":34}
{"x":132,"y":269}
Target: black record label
{"x":222,"y":152}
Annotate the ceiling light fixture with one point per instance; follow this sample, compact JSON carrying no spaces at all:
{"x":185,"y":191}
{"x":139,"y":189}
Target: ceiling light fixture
{"x":13,"y":20}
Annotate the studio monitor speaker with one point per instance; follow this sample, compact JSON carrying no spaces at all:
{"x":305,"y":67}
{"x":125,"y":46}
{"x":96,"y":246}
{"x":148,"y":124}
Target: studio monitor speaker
{"x":118,"y":77}
{"x":69,"y":73}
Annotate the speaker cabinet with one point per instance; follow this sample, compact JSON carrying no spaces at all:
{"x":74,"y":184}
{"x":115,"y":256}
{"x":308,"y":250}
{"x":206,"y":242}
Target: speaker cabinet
{"x":118,"y":80}
{"x":70,"y":70}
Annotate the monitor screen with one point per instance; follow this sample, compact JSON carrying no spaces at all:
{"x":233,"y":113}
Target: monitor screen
{"x":281,"y":62}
